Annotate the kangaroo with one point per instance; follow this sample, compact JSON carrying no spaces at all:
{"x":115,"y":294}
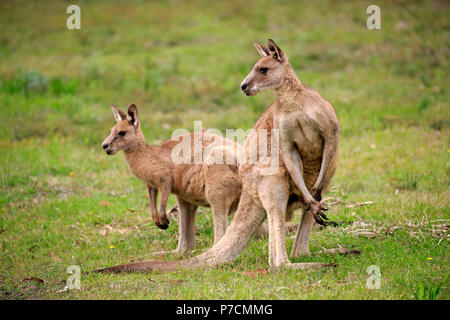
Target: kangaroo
{"x":308,"y":138}
{"x":309,"y":135}
{"x":205,"y":184}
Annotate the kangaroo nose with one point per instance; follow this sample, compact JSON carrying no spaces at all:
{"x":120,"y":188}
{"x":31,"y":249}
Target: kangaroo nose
{"x":105,"y":146}
{"x":244,"y":86}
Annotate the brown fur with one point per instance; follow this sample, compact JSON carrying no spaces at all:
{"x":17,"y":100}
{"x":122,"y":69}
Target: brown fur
{"x":204,"y":184}
{"x":309,"y":137}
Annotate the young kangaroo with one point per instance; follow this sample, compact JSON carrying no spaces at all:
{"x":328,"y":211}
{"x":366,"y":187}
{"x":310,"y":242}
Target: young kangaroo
{"x":204,"y":184}
{"x":308,"y":138}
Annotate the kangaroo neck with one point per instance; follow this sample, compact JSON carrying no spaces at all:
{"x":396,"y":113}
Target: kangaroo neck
{"x":140,"y":157}
{"x":137,"y":148}
{"x":289,"y":91}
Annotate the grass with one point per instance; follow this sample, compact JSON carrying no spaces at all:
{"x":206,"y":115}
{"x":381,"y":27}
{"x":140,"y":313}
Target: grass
{"x":183,"y":61}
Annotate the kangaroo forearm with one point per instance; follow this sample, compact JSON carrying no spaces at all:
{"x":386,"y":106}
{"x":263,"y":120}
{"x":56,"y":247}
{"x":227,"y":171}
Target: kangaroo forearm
{"x":153,"y":193}
{"x":163,"y":202}
{"x":329,"y":156}
{"x":294,"y":166}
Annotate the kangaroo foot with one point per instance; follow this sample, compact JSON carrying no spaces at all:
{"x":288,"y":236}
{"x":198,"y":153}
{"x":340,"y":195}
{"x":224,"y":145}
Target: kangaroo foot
{"x":303,"y":266}
{"x":309,"y":265}
{"x":340,"y":251}
{"x":299,"y":252}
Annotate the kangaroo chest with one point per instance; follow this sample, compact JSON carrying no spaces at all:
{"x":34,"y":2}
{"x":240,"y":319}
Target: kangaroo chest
{"x":298,"y":129}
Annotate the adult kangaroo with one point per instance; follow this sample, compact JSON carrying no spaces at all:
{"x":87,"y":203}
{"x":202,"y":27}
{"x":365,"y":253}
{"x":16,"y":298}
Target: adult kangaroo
{"x":308,"y":141}
{"x":214,"y":181}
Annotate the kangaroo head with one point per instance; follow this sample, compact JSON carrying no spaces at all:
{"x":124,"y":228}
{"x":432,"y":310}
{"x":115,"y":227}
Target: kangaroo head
{"x":268,"y":72}
{"x":126,"y":133}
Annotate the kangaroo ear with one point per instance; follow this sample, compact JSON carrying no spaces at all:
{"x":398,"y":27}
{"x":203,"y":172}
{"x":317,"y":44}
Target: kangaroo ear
{"x":263,"y":51}
{"x":118,"y":115}
{"x":275,"y":51}
{"x":133,"y":116}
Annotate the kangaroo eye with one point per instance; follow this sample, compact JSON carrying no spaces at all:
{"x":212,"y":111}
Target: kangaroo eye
{"x":263,"y":70}
{"x":122,"y":133}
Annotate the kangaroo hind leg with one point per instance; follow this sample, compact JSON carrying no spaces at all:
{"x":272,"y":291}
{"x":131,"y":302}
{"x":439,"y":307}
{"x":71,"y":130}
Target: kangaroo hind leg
{"x":301,"y":242}
{"x":273,"y":193}
{"x":186,"y":239}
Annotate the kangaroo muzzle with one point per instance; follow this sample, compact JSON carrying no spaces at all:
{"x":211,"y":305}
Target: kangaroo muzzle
{"x":107,"y":146}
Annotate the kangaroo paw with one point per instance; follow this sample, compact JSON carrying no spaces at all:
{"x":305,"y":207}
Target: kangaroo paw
{"x":331,"y":223}
{"x":173,"y":213}
{"x":319,"y":219}
{"x":162,"y":226}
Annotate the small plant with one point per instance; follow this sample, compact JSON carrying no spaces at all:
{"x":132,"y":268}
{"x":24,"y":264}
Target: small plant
{"x":405,"y":180}
{"x":423,"y":293}
{"x":344,"y":197}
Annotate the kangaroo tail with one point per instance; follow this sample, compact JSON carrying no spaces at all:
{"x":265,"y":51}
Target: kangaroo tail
{"x":144,"y":266}
{"x":247,"y":218}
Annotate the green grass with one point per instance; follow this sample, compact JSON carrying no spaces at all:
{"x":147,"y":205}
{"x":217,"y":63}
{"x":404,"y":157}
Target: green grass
{"x":181,"y":62}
